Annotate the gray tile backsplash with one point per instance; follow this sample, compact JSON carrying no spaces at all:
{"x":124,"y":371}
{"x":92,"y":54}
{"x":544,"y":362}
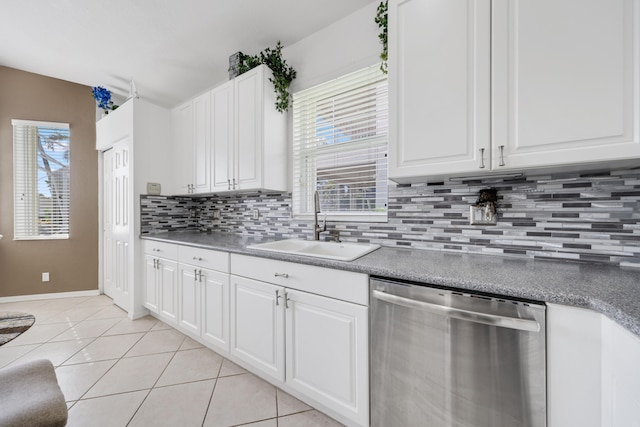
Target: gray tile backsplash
{"x":581,"y":217}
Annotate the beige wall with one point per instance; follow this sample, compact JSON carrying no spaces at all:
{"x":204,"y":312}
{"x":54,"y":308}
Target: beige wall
{"x":73,"y":263}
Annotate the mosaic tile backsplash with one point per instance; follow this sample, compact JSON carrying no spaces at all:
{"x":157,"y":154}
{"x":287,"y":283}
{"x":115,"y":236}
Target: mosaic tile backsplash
{"x":580,"y":217}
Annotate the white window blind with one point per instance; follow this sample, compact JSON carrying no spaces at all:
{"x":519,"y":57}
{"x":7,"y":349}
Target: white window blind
{"x":41,"y":180}
{"x":340,"y":133}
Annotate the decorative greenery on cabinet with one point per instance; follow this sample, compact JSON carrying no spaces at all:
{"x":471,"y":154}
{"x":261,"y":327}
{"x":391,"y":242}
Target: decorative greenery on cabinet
{"x":381,"y":20}
{"x":283,"y":74}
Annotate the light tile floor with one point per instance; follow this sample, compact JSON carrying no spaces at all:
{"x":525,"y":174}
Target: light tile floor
{"x":117,"y":372}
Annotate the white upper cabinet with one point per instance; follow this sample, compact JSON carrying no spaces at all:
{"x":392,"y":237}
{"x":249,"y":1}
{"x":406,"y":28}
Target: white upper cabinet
{"x":439,"y":58}
{"x":232,"y":138}
{"x":201,"y":143}
{"x":191,"y":138}
{"x":222,"y":141}
{"x":492,"y":85}
{"x":182,"y":125}
{"x":565,"y":81}
{"x":260,"y":135}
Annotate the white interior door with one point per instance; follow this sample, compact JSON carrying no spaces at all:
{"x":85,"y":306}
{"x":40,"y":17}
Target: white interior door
{"x":120,"y":218}
{"x":107,"y":207}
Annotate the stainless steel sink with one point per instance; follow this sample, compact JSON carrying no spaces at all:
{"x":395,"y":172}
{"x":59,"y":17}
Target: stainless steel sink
{"x":318,"y":249}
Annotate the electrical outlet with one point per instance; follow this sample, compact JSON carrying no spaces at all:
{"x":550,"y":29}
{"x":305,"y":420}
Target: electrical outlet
{"x":256,"y":214}
{"x":482,"y":216}
{"x":45,"y":276}
{"x":216,"y":214}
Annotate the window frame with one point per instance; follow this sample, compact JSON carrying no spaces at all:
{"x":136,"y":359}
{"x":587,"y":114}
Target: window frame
{"x":304,"y":198}
{"x":22,"y":162}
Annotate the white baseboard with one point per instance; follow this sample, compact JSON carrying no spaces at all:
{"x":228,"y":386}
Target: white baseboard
{"x":55,"y":295}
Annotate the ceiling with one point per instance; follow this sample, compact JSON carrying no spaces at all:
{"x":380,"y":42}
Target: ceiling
{"x":171,"y":49}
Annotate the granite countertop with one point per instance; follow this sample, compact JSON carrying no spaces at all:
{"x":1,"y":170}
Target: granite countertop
{"x":611,"y":290}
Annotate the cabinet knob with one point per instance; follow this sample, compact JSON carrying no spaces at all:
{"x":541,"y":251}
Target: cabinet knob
{"x":285,"y":275}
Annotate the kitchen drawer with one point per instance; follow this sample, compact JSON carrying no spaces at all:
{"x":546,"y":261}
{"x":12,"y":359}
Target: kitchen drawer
{"x":213,"y":260}
{"x":161,"y":249}
{"x":338,"y":284}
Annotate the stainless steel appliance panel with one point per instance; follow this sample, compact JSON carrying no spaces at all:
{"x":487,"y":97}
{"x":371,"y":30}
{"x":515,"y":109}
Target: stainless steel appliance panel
{"x":441,"y":358}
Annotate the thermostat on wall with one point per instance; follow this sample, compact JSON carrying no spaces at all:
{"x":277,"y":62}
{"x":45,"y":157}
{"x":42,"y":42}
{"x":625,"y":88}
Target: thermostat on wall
{"x":153,"y":188}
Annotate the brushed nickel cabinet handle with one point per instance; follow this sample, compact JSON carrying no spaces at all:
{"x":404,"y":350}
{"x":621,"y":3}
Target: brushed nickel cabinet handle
{"x":482,"y":158}
{"x":285,"y":275}
{"x":501,"y":147}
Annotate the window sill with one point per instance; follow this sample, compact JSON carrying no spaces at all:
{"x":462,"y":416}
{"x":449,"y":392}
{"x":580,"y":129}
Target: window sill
{"x":56,"y":237}
{"x":344,"y":217}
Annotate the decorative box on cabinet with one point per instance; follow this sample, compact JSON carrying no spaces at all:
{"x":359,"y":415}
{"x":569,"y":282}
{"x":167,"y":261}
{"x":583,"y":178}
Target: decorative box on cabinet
{"x":479,"y":85}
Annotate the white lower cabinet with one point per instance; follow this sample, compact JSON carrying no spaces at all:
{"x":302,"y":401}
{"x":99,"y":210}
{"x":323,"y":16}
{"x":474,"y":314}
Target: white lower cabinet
{"x":161,"y":280}
{"x":189,"y":299}
{"x":151,"y":294}
{"x":327,"y":352}
{"x":315,"y":345}
{"x":620,"y":376}
{"x":257,"y":325}
{"x":593,"y":374}
{"x":307,"y":331}
{"x":214,"y":292}
{"x":203,"y":295}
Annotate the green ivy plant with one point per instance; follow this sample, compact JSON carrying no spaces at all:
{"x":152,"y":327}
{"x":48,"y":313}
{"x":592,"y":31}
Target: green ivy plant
{"x":381,"y":20}
{"x":283,"y":74}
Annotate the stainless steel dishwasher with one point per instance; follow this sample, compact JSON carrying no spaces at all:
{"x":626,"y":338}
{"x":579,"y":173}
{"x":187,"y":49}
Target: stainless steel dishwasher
{"x":441,"y":358}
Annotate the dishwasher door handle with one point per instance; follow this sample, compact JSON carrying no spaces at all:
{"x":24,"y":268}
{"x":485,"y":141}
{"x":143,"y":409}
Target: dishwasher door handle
{"x":457,"y":313}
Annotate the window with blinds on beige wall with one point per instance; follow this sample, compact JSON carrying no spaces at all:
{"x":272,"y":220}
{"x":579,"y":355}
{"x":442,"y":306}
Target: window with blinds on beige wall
{"x":340,"y":133}
{"x":41,"y":180}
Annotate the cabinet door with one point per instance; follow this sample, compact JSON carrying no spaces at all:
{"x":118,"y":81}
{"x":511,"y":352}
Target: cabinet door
{"x":327,"y":353}
{"x":189,"y":299}
{"x":183,"y":137}
{"x":150,"y":283}
{"x":215,"y":309}
{"x":257,"y":325}
{"x":439,"y":93}
{"x":620,"y":376}
{"x":565,"y":78}
{"x":248,"y":129}
{"x":168,"y":290}
{"x":201,"y":142}
{"x":222,"y":113}
{"x":573,"y":366}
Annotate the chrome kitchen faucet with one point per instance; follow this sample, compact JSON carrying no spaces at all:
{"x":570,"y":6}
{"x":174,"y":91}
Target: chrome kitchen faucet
{"x":316,"y":210}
